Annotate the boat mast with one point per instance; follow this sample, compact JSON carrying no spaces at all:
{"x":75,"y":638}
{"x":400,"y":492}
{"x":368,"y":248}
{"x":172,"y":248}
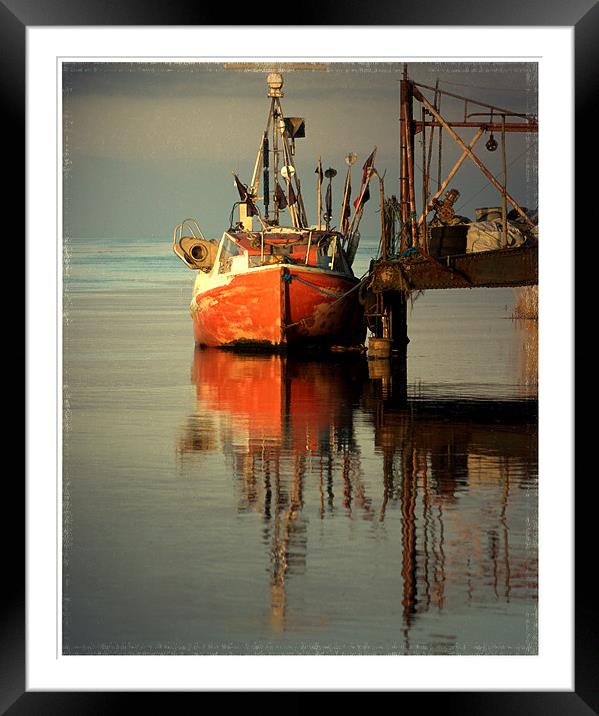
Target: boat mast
{"x":275,"y":91}
{"x":284,"y":132}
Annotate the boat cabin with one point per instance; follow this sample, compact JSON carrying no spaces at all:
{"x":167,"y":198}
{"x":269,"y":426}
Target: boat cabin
{"x":241,"y":250}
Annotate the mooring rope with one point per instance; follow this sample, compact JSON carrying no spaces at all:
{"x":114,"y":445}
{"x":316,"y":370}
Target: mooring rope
{"x":288,"y":277}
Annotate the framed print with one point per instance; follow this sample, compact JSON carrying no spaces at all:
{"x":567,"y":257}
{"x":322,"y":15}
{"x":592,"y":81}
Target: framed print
{"x":211,"y":506}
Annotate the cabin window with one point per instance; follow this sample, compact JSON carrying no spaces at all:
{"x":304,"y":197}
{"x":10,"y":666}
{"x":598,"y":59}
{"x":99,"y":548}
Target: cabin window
{"x":229,"y":249}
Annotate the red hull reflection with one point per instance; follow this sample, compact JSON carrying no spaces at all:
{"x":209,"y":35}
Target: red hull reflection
{"x":307,"y":440}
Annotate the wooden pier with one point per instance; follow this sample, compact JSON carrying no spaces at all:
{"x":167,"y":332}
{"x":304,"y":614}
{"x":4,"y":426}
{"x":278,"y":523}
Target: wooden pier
{"x":485,"y":269}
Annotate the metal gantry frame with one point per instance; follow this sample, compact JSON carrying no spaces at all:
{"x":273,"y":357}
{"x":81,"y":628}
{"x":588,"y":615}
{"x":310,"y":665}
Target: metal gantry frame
{"x":414,"y":231}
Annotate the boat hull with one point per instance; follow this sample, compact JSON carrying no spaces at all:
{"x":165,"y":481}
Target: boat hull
{"x":278,"y":306}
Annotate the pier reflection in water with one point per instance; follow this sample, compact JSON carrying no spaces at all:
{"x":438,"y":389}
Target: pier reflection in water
{"x":387,"y":524}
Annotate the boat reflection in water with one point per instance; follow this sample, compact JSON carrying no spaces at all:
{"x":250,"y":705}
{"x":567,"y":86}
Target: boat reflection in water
{"x":442,"y":492}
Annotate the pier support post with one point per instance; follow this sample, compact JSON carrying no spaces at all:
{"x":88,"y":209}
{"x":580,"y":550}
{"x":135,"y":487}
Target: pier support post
{"x":396,"y":307}
{"x":386,"y":315}
{"x":391,"y":323}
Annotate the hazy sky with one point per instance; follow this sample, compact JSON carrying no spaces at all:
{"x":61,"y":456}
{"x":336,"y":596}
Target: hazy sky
{"x":149,"y":144}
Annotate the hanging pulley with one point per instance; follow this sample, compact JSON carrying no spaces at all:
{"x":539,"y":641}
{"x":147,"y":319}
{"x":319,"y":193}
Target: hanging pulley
{"x":491,"y":144}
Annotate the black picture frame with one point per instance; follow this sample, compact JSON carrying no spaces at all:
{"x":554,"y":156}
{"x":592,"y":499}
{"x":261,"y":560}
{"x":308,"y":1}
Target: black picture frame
{"x":15,"y":17}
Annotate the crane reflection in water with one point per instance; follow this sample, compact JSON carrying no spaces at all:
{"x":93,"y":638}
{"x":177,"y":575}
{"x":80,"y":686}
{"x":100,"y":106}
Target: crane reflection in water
{"x":340,"y":440}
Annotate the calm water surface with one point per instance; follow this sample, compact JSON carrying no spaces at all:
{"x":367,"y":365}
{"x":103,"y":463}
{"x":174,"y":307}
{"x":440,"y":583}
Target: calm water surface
{"x":220,"y":503}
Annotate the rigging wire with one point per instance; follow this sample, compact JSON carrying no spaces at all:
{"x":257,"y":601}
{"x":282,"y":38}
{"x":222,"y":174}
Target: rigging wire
{"x":487,"y":183}
{"x":490,"y":89}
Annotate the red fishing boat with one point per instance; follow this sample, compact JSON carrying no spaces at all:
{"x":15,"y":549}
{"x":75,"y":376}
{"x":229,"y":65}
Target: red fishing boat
{"x":269,"y":285}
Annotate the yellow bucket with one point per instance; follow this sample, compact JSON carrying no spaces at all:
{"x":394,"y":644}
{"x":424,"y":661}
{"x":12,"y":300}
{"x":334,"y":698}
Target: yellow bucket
{"x":379,"y":348}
